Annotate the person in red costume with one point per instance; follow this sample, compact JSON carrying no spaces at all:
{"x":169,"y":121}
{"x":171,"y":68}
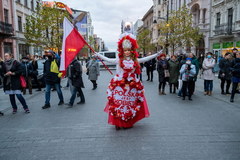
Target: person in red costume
{"x":126,"y":101}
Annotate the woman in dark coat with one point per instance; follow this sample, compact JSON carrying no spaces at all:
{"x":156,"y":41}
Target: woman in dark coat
{"x":174,"y":74}
{"x":1,"y":77}
{"x":12,"y":70}
{"x":163,"y":73}
{"x":225,"y":72}
{"x":75,"y":81}
{"x":235,"y":70}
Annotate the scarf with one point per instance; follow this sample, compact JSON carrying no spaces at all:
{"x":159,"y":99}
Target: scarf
{"x":8,"y":65}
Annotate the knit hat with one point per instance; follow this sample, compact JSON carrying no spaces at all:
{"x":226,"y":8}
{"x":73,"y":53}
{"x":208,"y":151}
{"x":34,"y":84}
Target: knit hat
{"x":188,"y":59}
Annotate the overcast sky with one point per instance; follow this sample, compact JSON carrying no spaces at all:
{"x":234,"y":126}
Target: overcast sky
{"x":107,"y":15}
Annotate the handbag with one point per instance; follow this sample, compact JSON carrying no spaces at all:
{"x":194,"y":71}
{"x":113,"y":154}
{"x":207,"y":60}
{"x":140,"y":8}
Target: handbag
{"x":166,"y":73}
{"x":23,"y":82}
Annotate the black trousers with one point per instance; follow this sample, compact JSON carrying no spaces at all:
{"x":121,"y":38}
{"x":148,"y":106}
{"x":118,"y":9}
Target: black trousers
{"x":234,"y":89}
{"x":150,"y":73}
{"x":223,"y":84}
{"x":187,"y":86}
{"x":94,"y":82}
{"x":174,"y":86}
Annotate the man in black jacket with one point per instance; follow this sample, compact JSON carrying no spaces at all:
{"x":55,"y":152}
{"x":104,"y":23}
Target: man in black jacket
{"x":74,"y":74}
{"x":51,"y":79}
{"x":150,"y":66}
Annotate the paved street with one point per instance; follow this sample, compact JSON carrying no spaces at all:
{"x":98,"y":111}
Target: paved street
{"x":206,"y":128}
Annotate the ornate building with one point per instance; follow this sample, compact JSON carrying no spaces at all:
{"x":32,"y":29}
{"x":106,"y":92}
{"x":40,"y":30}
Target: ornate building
{"x":225,"y":26}
{"x":7,"y":42}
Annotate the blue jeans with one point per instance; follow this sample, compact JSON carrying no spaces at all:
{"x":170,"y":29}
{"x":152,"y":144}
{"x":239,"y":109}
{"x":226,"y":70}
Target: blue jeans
{"x":20,"y":98}
{"x":74,"y":93}
{"x":48,"y":93}
{"x":208,"y":85}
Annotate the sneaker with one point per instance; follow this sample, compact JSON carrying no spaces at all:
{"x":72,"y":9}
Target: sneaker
{"x":60,"y":103}
{"x":14,"y":111}
{"x":27,"y":111}
{"x":46,"y":106}
{"x":80,"y":102}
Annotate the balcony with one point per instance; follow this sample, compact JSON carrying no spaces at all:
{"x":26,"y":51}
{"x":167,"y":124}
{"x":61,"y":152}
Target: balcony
{"x":6,"y":29}
{"x":224,"y":29}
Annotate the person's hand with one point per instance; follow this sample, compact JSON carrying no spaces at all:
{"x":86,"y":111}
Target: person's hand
{"x":158,"y":53}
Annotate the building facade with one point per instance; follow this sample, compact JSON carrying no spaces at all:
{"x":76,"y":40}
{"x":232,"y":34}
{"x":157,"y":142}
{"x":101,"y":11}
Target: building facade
{"x":225,"y":26}
{"x":7,"y":41}
{"x":22,"y":9}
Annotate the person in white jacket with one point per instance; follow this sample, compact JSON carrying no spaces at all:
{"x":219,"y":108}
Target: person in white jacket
{"x":208,"y":74}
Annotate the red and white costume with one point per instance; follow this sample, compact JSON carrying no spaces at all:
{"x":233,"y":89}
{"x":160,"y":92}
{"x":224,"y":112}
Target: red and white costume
{"x":126,"y":101}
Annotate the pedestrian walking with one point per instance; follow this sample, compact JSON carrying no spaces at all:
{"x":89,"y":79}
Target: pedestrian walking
{"x":225,"y":73}
{"x":126,"y":101}
{"x":208,"y":74}
{"x":1,"y":77}
{"x":27,"y":73}
{"x":188,"y":72}
{"x":93,"y":71}
{"x":235,"y":70}
{"x":74,"y":74}
{"x":174,"y":74}
{"x":150,"y":67}
{"x":163,"y":73}
{"x":52,"y":78}
{"x":12,"y":70}
{"x":35,"y":71}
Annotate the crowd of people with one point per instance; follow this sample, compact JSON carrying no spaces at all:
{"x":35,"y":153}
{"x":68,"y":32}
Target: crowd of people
{"x":181,"y":72}
{"x":126,"y":101}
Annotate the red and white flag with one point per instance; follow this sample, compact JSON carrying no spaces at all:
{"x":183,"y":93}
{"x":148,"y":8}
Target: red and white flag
{"x":73,"y":42}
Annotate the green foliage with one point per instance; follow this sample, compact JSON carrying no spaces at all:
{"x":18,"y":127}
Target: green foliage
{"x":144,"y":41}
{"x":43,"y":28}
{"x":178,"y":31}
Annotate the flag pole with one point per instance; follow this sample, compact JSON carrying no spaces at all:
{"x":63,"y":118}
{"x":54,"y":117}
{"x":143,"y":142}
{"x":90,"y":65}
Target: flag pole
{"x":100,"y":60}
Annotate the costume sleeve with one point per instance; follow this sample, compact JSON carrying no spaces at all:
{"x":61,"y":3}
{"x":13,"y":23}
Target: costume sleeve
{"x":145,"y":59}
{"x":109,"y":60}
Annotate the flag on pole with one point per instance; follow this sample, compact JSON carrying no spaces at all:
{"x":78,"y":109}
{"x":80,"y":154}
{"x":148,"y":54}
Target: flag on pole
{"x":73,"y":42}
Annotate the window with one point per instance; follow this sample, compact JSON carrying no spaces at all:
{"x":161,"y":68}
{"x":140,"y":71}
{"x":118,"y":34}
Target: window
{"x":6,"y":16}
{"x":32,"y":5}
{"x":37,"y":5}
{"x":230,"y":20}
{"x":218,"y":22}
{"x":26,"y":3}
{"x":18,"y":1}
{"x":204,"y":15}
{"x":8,"y":47}
{"x":159,"y":1}
{"x":23,"y":49}
{"x":159,"y":14}
{"x":19,"y":24}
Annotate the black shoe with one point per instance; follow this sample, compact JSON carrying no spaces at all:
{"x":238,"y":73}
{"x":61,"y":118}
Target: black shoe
{"x":183,"y":98}
{"x":27,"y":111}
{"x":14,"y":111}
{"x":80,"y":102}
{"x":69,"y":104}
{"x":117,"y":128}
{"x":2,"y":114}
{"x":228,"y":93}
{"x":223,"y":92}
{"x":190,"y":99}
{"x":147,"y":79}
{"x":151,"y":80}
{"x":94,"y":88}
{"x":231,"y":100}
{"x":46,"y":106}
{"x":39,"y":89}
{"x":60,"y":103}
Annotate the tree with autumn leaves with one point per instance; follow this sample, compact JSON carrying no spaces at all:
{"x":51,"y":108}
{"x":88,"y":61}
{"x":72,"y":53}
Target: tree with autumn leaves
{"x":178,"y":31}
{"x":144,"y":41}
{"x":44,"y":27}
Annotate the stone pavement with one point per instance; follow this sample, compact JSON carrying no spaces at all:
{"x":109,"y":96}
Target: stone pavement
{"x":206,"y":128}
